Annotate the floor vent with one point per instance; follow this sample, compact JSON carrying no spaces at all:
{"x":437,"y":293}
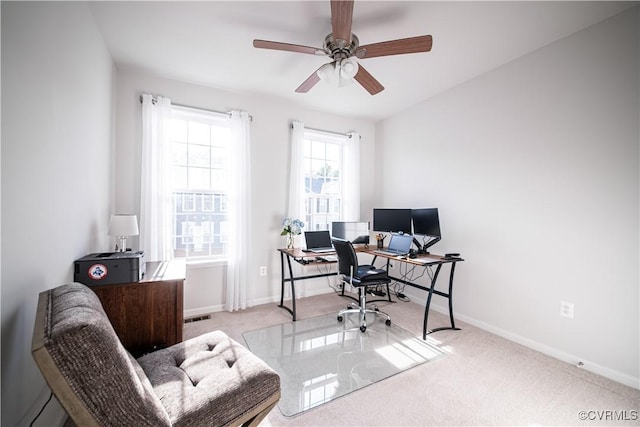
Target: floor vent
{"x":195,"y":319}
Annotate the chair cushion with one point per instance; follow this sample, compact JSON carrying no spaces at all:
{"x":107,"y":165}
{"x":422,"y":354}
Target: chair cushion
{"x":368,"y":273}
{"x":209,"y":380}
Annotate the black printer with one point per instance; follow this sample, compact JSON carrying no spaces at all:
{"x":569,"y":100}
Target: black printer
{"x":109,"y":268}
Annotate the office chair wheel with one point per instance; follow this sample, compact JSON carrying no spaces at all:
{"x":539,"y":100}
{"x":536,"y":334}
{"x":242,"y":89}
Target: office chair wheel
{"x":363,"y":328}
{"x":339,"y":318}
{"x":388,"y":322}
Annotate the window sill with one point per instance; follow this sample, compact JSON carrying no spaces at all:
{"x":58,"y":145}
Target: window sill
{"x":206,"y":263}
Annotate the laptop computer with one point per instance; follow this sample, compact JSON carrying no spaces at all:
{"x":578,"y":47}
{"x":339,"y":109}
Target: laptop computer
{"x":399,"y":245}
{"x":318,"y":241}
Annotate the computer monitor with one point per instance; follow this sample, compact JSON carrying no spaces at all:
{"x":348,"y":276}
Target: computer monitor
{"x":355,"y":232}
{"x":392,"y":220}
{"x":426,"y":222}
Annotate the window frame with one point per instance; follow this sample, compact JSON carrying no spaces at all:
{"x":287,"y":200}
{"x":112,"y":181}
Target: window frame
{"x":216,"y":193}
{"x":328,"y":200}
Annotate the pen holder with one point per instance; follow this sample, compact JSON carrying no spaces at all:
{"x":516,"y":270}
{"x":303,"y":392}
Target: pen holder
{"x":380,"y":241}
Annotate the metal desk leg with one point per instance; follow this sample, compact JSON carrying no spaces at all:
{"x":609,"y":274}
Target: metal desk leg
{"x":281,"y":279}
{"x":453,"y":324}
{"x":426,"y":307}
{"x":449,"y":296}
{"x":293,"y":289}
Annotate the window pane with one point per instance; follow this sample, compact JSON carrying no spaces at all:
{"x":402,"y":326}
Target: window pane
{"x":317,"y":150}
{"x":179,"y":177}
{"x":179,"y":153}
{"x":332,"y":170}
{"x":199,"y":155}
{"x":219,"y":157}
{"x":199,"y":133}
{"x":218,"y":180}
{"x":199,"y":178}
{"x":178,"y":130}
{"x":333,"y":152}
{"x":317,"y":168}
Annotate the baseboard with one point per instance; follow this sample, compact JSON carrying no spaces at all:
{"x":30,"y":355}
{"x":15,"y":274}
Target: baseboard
{"x":202,"y":311}
{"x":276,"y":299}
{"x":571,"y":359}
{"x":53,"y":414}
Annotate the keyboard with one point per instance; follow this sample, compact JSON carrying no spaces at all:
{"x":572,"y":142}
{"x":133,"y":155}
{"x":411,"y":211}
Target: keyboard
{"x":425,"y":260}
{"x":327,"y":258}
{"x":388,"y":253}
{"x":322,"y":250}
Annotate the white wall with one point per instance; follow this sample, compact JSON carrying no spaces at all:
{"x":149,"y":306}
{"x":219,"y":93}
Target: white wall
{"x":270,"y":148}
{"x":534,"y":169}
{"x":57,"y":90}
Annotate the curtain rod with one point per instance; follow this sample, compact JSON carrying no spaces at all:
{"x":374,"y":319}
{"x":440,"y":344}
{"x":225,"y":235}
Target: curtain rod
{"x":154,"y":100}
{"x":329,"y":132}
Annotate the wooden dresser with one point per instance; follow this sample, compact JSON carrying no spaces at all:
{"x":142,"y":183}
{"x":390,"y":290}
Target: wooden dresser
{"x":149,"y":314}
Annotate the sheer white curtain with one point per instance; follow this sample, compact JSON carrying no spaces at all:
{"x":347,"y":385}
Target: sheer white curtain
{"x":239,"y":212}
{"x":155,"y":195}
{"x":351,"y":178}
{"x":296,"y":177}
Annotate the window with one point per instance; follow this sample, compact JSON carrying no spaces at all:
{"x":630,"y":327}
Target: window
{"x":199,"y":180}
{"x":323,"y":179}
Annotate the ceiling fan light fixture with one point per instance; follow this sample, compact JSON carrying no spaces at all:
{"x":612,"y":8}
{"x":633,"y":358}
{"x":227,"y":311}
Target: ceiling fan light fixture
{"x":327,"y":71}
{"x":348,"y":69}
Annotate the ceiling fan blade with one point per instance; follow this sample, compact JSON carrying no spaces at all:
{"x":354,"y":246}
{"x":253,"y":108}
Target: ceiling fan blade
{"x":341,"y":19}
{"x":368,"y":81}
{"x":266,"y":44}
{"x":309,"y":83}
{"x":396,"y":47}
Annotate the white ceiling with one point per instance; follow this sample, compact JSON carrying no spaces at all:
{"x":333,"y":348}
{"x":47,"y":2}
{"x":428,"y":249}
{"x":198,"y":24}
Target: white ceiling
{"x":210,"y":43}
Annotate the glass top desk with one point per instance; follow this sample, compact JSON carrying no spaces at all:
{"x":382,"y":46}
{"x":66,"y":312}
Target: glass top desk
{"x":428,"y":261}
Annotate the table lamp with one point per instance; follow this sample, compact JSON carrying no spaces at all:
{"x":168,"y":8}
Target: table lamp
{"x":123,"y":226}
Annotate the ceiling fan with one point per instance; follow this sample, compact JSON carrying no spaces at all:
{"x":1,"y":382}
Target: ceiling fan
{"x":343,"y":47}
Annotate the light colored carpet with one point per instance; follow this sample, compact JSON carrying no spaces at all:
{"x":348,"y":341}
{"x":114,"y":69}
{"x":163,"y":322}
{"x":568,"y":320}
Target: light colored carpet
{"x":484,"y":380}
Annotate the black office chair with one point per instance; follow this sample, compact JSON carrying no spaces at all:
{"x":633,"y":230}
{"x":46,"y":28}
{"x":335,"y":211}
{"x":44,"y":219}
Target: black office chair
{"x":361,"y":277}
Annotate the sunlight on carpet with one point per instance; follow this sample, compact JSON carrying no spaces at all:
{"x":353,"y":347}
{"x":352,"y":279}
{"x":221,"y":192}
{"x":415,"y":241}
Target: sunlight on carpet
{"x":321,"y":359}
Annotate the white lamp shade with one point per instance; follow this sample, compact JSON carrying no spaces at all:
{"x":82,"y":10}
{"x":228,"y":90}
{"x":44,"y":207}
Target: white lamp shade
{"x":348,"y":69}
{"x":123,"y":225}
{"x":339,"y":73}
{"x":327,"y":71}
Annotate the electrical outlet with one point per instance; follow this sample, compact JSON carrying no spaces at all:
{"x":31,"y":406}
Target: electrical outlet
{"x":263,"y":270}
{"x":566,"y":309}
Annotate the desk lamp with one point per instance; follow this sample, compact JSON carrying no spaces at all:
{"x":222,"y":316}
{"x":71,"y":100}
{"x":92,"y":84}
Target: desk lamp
{"x":123,"y":226}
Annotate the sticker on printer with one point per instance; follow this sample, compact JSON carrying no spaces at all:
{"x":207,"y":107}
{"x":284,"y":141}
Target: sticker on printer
{"x":98,"y":271}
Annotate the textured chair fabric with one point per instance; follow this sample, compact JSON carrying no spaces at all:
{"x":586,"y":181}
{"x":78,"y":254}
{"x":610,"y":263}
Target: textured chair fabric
{"x":208,"y":380}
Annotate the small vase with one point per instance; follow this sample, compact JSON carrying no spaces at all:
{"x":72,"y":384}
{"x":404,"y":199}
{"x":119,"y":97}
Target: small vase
{"x":289,"y":241}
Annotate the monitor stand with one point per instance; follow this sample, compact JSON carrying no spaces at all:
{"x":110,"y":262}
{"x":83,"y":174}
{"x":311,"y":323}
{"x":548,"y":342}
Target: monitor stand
{"x":422,"y":249}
